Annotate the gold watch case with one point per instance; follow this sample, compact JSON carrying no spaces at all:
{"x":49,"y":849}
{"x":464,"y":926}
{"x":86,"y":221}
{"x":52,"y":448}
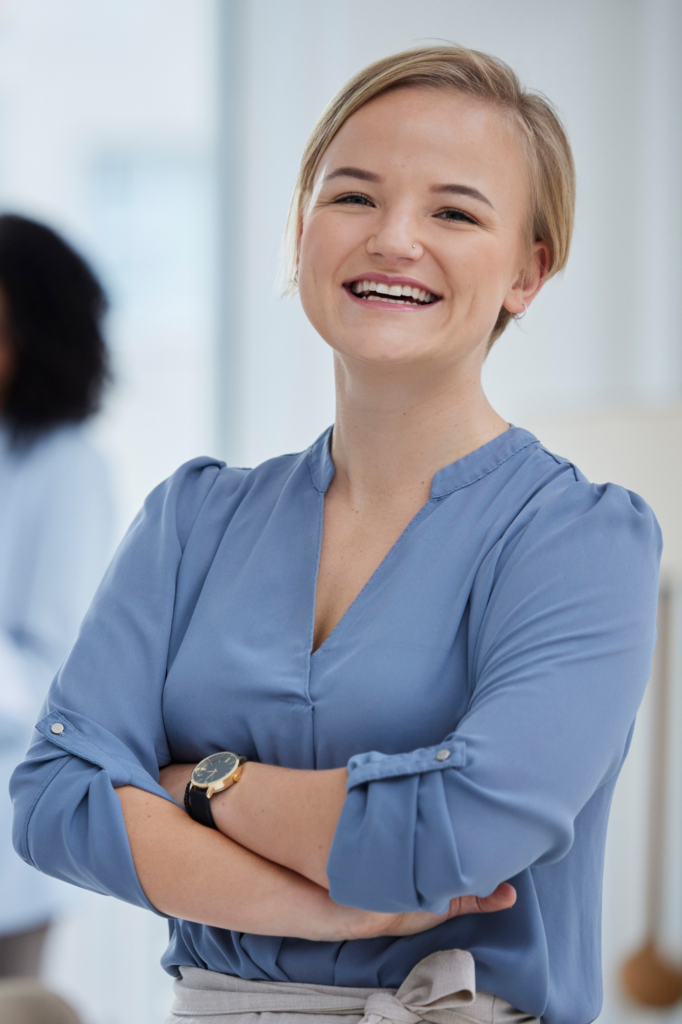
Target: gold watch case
{"x":217,"y":772}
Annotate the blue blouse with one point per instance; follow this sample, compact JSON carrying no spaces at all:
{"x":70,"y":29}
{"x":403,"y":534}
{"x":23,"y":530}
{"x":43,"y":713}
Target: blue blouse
{"x":511,"y":626}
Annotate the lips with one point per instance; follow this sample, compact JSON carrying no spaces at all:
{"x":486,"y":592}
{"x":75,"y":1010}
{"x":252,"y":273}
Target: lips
{"x":394,"y":291}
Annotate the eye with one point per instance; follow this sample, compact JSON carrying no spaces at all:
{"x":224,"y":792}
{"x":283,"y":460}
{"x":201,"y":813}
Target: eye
{"x":452,"y":214}
{"x":352,"y":198}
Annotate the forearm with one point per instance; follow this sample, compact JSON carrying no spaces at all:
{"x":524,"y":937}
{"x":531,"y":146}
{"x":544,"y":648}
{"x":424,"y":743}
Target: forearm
{"x":267,"y":898}
{"x":285,"y":815}
{"x":197,"y":874}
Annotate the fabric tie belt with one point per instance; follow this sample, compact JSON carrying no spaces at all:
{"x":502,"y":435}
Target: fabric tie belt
{"x":434,"y":991}
{"x":439,"y":984}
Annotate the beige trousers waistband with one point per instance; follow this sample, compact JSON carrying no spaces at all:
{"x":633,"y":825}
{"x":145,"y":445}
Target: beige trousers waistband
{"x":441,"y":989}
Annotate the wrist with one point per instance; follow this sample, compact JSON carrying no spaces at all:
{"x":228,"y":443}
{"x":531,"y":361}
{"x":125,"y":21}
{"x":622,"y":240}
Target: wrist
{"x":342,"y":924}
{"x":174,"y":778}
{"x":229,"y":805}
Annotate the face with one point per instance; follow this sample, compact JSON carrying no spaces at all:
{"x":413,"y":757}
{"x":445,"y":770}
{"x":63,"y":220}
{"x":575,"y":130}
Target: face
{"x":415,"y":234}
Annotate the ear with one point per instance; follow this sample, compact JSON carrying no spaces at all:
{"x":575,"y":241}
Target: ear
{"x":530,"y":280}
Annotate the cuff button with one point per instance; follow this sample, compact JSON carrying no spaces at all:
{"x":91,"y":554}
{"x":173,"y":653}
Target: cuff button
{"x":57,"y":728}
{"x":443,"y":754}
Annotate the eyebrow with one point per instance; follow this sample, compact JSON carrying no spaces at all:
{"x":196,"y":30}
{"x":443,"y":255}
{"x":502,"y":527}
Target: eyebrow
{"x":462,"y":190}
{"x":353,"y":172}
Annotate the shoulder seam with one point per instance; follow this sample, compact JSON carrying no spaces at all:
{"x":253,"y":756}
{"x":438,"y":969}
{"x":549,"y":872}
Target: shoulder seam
{"x":219,"y":467}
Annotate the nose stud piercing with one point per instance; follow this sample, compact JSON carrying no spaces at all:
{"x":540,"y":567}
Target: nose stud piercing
{"x":414,"y":246}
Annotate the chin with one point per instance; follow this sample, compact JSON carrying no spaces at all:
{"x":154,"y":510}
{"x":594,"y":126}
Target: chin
{"x":393,"y":350}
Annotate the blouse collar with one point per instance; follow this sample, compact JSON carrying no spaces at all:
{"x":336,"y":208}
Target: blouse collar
{"x":462,"y":473}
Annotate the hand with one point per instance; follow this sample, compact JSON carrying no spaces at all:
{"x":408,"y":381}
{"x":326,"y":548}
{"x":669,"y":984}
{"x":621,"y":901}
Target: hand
{"x":363,"y":924}
{"x":174,"y":779}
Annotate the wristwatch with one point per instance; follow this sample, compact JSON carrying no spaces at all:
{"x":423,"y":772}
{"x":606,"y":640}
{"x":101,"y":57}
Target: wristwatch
{"x":212,"y":775}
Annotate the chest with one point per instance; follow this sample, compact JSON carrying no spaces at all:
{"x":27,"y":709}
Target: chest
{"x":393,"y":675}
{"x":355,"y":542}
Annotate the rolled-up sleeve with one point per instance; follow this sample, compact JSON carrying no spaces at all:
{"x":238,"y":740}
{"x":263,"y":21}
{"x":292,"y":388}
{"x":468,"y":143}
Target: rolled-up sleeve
{"x":561,"y":634}
{"x":101,"y":726}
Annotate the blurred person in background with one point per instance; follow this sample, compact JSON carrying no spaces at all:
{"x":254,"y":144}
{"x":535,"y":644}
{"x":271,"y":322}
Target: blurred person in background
{"x":55,"y":520}
{"x":353,"y":719}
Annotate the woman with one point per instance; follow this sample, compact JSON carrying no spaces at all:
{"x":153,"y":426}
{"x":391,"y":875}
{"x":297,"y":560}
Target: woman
{"x":55,"y":520}
{"x":428,"y":636}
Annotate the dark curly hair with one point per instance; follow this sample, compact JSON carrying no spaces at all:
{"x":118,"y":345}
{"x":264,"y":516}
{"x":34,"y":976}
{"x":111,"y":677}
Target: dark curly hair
{"x":55,"y":309}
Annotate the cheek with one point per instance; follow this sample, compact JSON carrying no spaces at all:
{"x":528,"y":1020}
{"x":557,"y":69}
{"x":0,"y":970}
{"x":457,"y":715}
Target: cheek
{"x":313,"y":257}
{"x":311,"y":272}
{"x":322,"y":254}
{"x":483,"y":269}
{"x":328,"y":241}
{"x":315,"y":277}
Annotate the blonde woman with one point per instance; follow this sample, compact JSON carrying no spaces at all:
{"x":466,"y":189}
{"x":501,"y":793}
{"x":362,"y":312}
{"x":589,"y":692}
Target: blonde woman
{"x":417,"y":648}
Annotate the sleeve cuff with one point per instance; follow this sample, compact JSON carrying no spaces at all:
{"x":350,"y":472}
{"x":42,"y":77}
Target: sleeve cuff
{"x":83,"y":738}
{"x":364,"y":768}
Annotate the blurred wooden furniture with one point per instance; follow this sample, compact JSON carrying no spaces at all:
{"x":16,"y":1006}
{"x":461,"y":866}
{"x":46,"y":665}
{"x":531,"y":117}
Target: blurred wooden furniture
{"x":24,"y":1001}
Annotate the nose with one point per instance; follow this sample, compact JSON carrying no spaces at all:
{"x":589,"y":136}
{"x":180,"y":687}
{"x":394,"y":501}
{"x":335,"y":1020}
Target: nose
{"x":396,"y":238}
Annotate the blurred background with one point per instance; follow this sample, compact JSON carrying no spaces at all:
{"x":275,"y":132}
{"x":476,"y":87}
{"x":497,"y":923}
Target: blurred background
{"x":162,"y":138}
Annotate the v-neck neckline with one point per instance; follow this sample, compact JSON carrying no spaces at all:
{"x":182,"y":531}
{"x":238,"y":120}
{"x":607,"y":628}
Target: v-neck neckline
{"x":461,"y":473}
{"x":387,"y":557}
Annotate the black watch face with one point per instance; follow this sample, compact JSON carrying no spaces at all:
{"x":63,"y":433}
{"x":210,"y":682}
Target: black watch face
{"x":213,"y":768}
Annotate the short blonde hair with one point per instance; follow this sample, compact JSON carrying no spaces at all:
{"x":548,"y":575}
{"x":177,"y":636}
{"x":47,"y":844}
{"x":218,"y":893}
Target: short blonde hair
{"x":552,"y":171}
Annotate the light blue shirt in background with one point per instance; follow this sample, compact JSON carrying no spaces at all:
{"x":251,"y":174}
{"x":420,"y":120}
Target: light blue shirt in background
{"x":56,"y":522}
{"x":481,"y":689}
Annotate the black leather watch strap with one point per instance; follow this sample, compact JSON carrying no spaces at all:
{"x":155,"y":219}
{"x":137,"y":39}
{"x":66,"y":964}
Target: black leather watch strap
{"x":198,"y":806}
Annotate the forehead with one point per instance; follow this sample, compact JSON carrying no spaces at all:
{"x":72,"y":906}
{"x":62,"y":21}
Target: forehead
{"x":432,"y":133}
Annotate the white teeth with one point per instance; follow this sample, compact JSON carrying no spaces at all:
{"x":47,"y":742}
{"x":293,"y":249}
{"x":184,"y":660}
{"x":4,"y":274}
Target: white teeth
{"x":391,"y":292}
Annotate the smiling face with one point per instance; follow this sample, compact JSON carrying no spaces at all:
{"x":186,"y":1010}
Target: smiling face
{"x":416,"y":232}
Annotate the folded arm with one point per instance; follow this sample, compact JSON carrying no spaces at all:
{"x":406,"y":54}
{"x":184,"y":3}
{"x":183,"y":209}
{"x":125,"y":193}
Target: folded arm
{"x":561,"y":650}
{"x":287,"y":815}
{"x":88,"y":807}
{"x":198,"y":874}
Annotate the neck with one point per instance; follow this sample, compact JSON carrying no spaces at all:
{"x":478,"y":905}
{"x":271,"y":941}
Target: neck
{"x":396,"y":427}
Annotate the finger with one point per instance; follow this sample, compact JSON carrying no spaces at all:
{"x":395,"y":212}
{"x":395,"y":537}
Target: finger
{"x":501,"y":899}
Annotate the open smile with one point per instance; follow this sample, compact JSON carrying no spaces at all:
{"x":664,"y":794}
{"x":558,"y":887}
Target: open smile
{"x":396,"y":291}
